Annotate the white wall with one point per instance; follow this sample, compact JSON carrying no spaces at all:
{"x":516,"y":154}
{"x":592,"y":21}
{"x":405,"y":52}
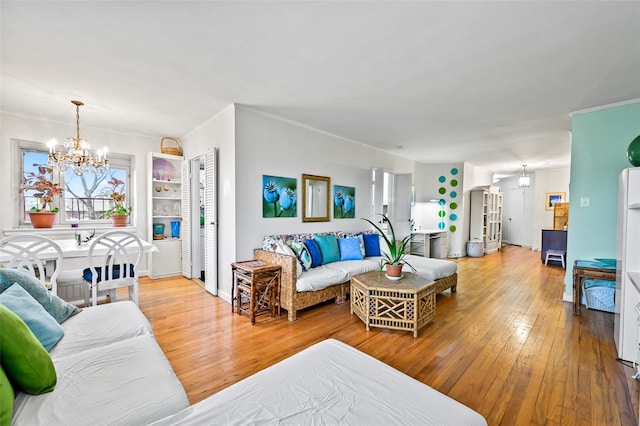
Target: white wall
{"x":534,"y":215}
{"x":16,"y":127}
{"x":219,"y":132}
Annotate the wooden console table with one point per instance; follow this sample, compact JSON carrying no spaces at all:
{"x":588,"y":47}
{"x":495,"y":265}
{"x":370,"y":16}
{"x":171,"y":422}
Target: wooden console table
{"x":408,"y":304}
{"x":584,"y":269}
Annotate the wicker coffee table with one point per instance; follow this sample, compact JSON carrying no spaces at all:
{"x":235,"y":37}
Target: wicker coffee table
{"x":408,"y":304}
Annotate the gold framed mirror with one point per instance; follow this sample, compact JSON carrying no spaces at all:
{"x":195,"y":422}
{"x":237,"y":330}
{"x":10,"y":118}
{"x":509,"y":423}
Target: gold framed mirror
{"x":315,"y":196}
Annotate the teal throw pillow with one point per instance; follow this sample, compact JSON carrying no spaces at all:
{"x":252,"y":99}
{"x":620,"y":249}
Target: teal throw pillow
{"x":316,"y":254}
{"x":55,"y":306}
{"x":302,"y":253}
{"x":7,"y":395}
{"x":350,"y":248}
{"x":24,"y":359}
{"x":44,"y":326}
{"x":329,"y":248}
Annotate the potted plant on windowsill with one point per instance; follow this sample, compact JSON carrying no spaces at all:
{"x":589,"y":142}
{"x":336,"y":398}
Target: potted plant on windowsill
{"x":45,"y":215}
{"x":395,"y":257}
{"x":118,"y":212}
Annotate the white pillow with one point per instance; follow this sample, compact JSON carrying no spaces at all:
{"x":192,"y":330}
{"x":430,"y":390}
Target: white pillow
{"x":282,"y":248}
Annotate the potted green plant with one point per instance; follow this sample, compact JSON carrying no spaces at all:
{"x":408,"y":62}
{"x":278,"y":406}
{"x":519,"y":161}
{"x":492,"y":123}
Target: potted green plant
{"x":395,"y":256}
{"x":45,"y":215}
{"x":118,"y":212}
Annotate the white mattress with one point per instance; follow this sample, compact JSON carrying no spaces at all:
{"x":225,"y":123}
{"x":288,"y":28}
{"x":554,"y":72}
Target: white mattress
{"x":124,"y":383}
{"x":97,"y":326}
{"x":328,"y":383}
{"x":320,"y":277}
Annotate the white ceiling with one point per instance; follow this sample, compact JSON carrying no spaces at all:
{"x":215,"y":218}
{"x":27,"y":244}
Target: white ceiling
{"x":491,"y":83}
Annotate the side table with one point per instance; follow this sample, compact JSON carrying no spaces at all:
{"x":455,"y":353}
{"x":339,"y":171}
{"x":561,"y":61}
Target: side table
{"x":583,"y":269}
{"x":255,"y":288}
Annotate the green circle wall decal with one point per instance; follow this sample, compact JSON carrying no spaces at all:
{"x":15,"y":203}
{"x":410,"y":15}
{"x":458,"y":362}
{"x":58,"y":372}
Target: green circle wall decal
{"x":453,"y":194}
{"x":452,"y":228}
{"x":441,"y":179}
{"x":441,"y":213}
{"x":441,"y":190}
{"x":453,"y":216}
{"x":454,"y":171}
{"x":453,"y":206}
{"x":454,"y":182}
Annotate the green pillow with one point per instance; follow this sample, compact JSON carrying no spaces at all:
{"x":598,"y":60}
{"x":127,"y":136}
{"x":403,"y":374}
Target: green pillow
{"x":7,"y":395}
{"x":42,"y":325}
{"x":328,"y":247}
{"x":57,"y":308}
{"x":24,"y":359}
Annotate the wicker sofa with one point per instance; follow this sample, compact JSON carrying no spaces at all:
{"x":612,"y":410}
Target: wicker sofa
{"x":443,"y":272}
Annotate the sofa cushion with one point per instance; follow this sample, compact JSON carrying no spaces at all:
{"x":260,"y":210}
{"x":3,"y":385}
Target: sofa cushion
{"x":329,"y":248}
{"x":321,"y":277}
{"x":302,"y":253}
{"x":24,"y":359}
{"x":42,"y":325}
{"x":57,"y":308}
{"x":371,"y":245}
{"x":282,"y":248}
{"x":429,"y":268}
{"x":6,"y":396}
{"x":355,"y":267}
{"x":316,"y":254}
{"x":350,"y":248}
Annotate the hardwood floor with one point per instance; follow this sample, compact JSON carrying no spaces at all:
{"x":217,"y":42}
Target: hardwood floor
{"x":505,"y":344}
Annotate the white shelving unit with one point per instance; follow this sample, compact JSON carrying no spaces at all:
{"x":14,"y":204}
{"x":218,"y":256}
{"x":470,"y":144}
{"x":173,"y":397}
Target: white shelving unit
{"x":165,"y":207}
{"x":485,"y":223}
{"x":628,"y":265}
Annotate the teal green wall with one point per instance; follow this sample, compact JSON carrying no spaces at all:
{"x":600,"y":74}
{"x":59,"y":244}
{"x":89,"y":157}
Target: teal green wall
{"x":598,"y":154}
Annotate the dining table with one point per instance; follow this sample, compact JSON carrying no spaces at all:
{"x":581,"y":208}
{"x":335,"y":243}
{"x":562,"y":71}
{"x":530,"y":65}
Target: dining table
{"x":71,"y":249}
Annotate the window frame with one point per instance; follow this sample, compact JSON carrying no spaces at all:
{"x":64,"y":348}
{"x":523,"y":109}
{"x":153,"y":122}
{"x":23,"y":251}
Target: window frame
{"x":116,"y":160}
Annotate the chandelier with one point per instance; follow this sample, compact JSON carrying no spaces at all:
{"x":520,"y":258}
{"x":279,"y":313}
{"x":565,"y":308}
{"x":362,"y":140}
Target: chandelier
{"x":78,"y":158}
{"x":524,"y":180}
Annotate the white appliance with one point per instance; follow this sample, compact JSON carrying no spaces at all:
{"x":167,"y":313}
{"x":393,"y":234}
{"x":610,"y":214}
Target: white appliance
{"x":628,"y":265}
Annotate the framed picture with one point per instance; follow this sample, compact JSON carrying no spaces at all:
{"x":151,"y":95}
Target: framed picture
{"x":344,"y":202}
{"x":279,"y":196}
{"x":552,"y":198}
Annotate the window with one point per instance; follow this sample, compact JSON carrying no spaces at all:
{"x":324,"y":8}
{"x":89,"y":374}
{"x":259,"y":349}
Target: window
{"x":85,"y":197}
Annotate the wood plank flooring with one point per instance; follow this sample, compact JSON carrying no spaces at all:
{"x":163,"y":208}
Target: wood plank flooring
{"x":505,"y":344}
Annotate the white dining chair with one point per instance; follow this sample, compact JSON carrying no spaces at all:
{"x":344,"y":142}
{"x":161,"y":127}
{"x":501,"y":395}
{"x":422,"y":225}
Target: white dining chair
{"x":117,"y":267}
{"x":26,"y":252}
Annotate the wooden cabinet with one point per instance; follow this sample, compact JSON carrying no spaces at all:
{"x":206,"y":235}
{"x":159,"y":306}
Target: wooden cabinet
{"x":165,"y":213}
{"x":560,"y":215}
{"x":627,"y":296}
{"x":485,"y":223}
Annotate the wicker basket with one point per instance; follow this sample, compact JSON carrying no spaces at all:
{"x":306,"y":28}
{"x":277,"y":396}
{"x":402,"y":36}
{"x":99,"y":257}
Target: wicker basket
{"x":599,"y":294}
{"x":170,"y":150}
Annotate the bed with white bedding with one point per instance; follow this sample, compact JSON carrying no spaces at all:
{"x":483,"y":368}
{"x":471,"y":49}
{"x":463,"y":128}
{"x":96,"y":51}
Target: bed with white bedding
{"x":328,"y":383}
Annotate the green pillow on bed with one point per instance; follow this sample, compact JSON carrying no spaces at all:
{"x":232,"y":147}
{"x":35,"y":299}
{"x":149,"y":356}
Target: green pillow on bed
{"x":55,"y":306}
{"x":24,"y":359}
{"x":7,"y":395}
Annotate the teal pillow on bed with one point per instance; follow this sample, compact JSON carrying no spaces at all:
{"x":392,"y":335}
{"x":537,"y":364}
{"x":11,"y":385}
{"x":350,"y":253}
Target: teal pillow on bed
{"x":328,"y":245}
{"x":56,"y":307}
{"x":42,"y":325}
